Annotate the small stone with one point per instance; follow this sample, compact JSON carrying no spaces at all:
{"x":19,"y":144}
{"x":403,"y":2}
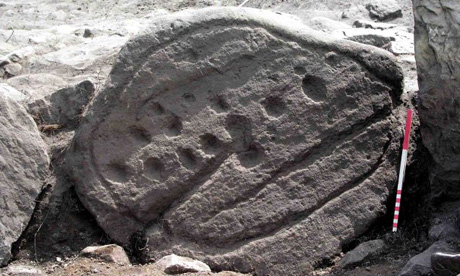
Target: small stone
{"x":21,"y":54}
{"x":88,"y":33}
{"x":173,"y":264}
{"x":4,"y":61}
{"x":23,"y":270}
{"x":362,"y":252}
{"x":109,"y":253}
{"x":64,"y":106}
{"x":372,"y":25}
{"x":384,"y":10}
{"x":12,"y":69}
{"x":402,"y":47}
{"x":373,"y":39}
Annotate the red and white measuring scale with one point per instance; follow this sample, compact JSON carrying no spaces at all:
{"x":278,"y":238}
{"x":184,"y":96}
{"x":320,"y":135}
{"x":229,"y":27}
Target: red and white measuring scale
{"x":402,"y":169}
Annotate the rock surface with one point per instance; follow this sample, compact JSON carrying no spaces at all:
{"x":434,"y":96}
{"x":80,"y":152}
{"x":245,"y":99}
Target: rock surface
{"x":445,"y":264}
{"x":243,"y":139}
{"x":362,"y":252}
{"x":63,"y":107}
{"x":420,"y":264}
{"x":23,"y":168}
{"x":437,"y":53}
{"x":445,"y":222}
{"x":23,"y":270}
{"x":376,"y":40}
{"x":37,"y":86}
{"x":384,"y":10}
{"x":109,"y":253}
{"x":173,"y":264}
{"x":10,"y":92}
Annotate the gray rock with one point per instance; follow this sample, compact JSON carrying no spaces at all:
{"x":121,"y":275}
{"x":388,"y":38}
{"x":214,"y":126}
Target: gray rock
{"x":420,"y":264}
{"x":402,"y":47}
{"x":88,"y":33}
{"x":372,"y":25}
{"x":21,"y":54}
{"x":110,"y":253}
{"x":384,"y":10}
{"x":437,"y":32}
{"x":373,"y":39}
{"x":4,"y":61}
{"x":37,"y":86}
{"x":242,"y":138}
{"x":355,"y":12}
{"x":445,"y":224}
{"x":173,"y":264}
{"x":23,"y":270}
{"x":364,"y":251}
{"x":9,"y":64}
{"x":10,"y":92}
{"x":11,"y":70}
{"x":63,"y":107}
{"x":445,"y":264}
{"x":23,"y":168}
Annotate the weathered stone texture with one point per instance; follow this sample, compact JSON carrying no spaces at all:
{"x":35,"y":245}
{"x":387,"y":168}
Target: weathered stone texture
{"x":63,"y":107}
{"x":362,"y":252}
{"x":23,"y":168}
{"x":437,"y":40}
{"x":386,"y":10}
{"x":241,"y":138}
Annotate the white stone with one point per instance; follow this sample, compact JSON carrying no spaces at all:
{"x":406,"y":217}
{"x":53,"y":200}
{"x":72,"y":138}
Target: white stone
{"x":10,"y":92}
{"x":173,"y":264}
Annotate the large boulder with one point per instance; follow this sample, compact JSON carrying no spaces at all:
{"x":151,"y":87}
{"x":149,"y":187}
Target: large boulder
{"x":23,"y":168}
{"x":240,"y":138}
{"x":437,"y":36}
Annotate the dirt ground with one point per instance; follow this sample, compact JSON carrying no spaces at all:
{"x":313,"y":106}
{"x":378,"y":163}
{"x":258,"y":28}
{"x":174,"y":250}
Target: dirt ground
{"x":85,"y":267}
{"x":388,"y":263}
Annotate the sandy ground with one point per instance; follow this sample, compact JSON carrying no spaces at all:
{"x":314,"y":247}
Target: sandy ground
{"x":86,"y":267}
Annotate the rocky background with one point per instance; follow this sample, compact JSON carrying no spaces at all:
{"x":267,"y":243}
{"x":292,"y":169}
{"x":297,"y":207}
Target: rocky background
{"x":55,"y":60}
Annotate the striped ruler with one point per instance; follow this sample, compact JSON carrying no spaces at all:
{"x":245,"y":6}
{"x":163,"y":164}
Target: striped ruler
{"x":402,"y":169}
{"x":242,"y":4}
